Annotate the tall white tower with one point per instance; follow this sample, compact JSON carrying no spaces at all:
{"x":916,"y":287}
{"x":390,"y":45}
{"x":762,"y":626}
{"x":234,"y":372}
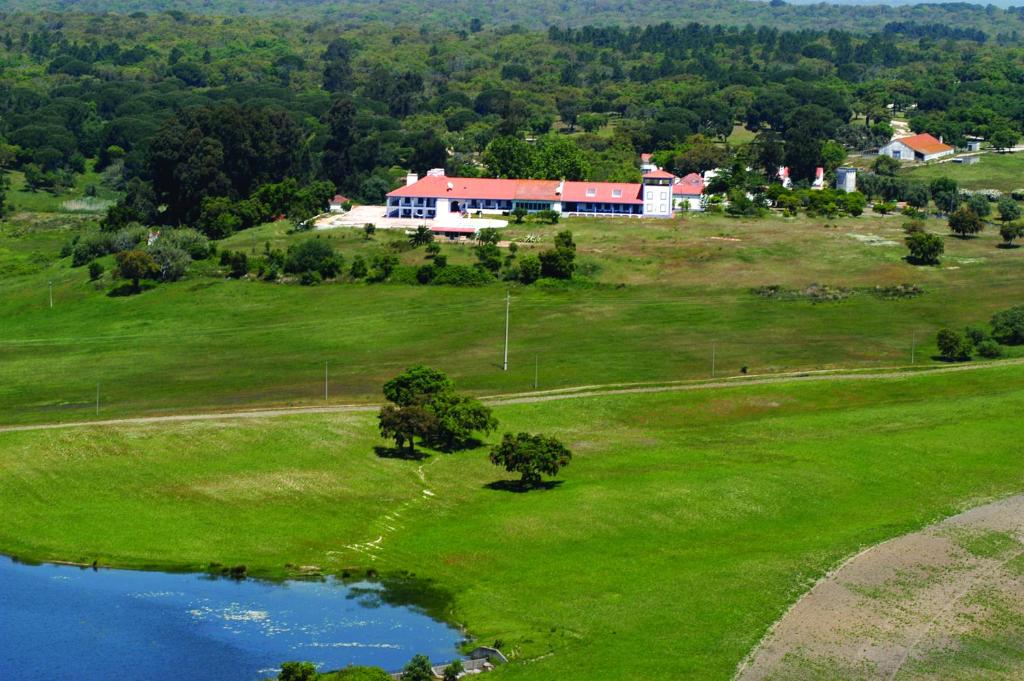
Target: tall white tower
{"x":657,"y":194}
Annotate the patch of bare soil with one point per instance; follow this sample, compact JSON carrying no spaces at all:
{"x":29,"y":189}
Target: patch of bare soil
{"x":943,"y":603}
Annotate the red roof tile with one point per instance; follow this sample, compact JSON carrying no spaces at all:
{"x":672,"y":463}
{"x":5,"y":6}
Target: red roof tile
{"x":659,"y":174}
{"x":602,"y":192}
{"x":689,"y":185}
{"x":924,"y":143}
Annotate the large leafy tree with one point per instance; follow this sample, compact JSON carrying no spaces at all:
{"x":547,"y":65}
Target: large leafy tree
{"x":340,"y":121}
{"x":808,"y":128}
{"x":337,"y":66}
{"x":531,"y":456}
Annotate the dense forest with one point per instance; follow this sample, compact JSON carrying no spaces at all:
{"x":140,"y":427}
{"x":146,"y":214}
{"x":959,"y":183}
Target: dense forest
{"x":223,"y":122}
{"x":863,"y":17}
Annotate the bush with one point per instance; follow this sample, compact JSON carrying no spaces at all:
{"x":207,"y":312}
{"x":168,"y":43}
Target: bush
{"x":313,"y":255}
{"x":189,"y":240}
{"x":925,"y":248}
{"x":239,"y":264}
{"x":989,"y":349}
{"x":171,"y":261}
{"x":1008,"y":326}
{"x":953,"y":346}
{"x":965,"y":222}
{"x":310,"y":278}
{"x":462,"y":275}
{"x":358,"y":269}
{"x":529,"y":269}
{"x":425,"y":274}
{"x":95,"y":270}
{"x":89,"y":248}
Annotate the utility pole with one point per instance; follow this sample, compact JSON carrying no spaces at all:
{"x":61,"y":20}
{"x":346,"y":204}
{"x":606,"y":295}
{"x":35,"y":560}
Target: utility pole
{"x":712,"y":359}
{"x":51,"y":294}
{"x":508,"y":300}
{"x":325,"y":380}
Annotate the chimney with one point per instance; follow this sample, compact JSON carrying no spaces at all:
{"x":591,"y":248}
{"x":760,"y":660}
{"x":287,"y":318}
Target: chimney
{"x":435,"y":172}
{"x":560,"y":188}
{"x":411,"y":178}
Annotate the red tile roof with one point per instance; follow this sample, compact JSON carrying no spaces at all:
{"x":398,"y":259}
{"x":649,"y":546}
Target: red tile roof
{"x":602,"y":192}
{"x":645,"y":157}
{"x":521,"y":190}
{"x":659,"y":174}
{"x":689,"y":185}
{"x":924,"y":144}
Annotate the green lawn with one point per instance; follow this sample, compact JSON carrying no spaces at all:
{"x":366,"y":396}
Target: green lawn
{"x":685,"y":525}
{"x":994,"y":171}
{"x":655,"y":299}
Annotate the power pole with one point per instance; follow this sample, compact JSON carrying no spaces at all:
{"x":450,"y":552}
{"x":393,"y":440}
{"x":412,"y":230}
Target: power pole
{"x":325,"y":380}
{"x":508,"y":300}
{"x":51,"y":294}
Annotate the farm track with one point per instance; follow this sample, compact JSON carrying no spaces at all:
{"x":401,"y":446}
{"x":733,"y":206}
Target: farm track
{"x":597,"y":390}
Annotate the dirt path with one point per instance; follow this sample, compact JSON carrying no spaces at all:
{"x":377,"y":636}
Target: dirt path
{"x":943,"y":603}
{"x":598,"y":390}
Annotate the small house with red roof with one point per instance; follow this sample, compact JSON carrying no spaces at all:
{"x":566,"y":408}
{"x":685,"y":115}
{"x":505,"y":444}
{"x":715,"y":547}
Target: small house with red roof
{"x":338,"y":203}
{"x":923,"y":147}
{"x":687,"y":193}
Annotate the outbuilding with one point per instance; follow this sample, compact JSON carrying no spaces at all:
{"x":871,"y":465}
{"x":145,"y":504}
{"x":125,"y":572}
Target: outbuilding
{"x":923,"y":147}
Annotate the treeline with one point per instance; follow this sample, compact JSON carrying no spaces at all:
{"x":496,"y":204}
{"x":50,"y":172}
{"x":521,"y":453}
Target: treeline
{"x":200,"y":120}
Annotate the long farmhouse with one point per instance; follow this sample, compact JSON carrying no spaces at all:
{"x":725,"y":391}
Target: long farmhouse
{"x":436,"y":195}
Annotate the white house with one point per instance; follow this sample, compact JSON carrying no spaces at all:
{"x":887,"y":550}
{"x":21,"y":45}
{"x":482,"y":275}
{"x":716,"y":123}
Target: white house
{"x":337,"y":204}
{"x":687,"y":193}
{"x":923,"y":147}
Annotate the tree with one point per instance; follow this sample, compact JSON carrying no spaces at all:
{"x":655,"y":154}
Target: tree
{"x":455,"y":418}
{"x":95,"y":270}
{"x":135,"y":265}
{"x":509,"y":157}
{"x":298,"y":671}
{"x":313,"y":255}
{"x":979,"y":204}
{"x":807,"y":129}
{"x":421,"y":237}
{"x":529,"y":269}
{"x":518,"y":213}
{"x":404,"y":424}
{"x":945,"y":194}
{"x":568,"y":111}
{"x":925,"y":248}
{"x":953,"y":346}
{"x":531,"y":456}
{"x":886,"y":165}
{"x":1004,"y":138}
{"x":1010,"y":231}
{"x":417,"y":385}
{"x":452,"y":671}
{"x":1009,"y":210}
{"x":358,"y":269}
{"x":337,"y":66}
{"x":488,"y":256}
{"x":418,"y":669}
{"x":3,"y":193}
{"x":559,"y":262}
{"x":337,"y":162}
{"x":964,"y":222}
{"x":1008,"y":326}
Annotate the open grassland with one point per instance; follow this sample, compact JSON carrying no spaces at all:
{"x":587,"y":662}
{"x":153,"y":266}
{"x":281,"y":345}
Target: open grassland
{"x":655,"y":300}
{"x":1004,"y":172}
{"x":686,"y":524}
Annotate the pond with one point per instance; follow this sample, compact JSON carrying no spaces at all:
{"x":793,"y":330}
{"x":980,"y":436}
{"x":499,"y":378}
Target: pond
{"x":70,"y":623}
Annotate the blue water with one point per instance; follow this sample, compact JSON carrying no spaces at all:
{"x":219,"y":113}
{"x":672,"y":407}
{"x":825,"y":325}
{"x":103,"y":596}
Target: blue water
{"x":68,"y":623}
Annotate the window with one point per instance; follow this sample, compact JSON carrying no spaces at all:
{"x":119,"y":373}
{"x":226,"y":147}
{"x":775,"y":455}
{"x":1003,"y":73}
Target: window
{"x":591,"y":192}
{"x":664,"y":196}
{"x":616,"y":193}
{"x":650,"y":194}
{"x":661,"y":208}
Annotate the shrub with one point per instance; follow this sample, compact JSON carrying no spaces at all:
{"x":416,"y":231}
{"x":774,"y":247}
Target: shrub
{"x":171,"y":261}
{"x":189,"y":240}
{"x":989,"y":349}
{"x":462,"y":275}
{"x":358,"y":269}
{"x":953,"y":346}
{"x":1010,"y":231}
{"x":89,"y":248}
{"x":925,"y":248}
{"x":310,"y":278}
{"x":1008,"y":326}
{"x":95,"y":270}
{"x":976,"y":335}
{"x":964,"y":222}
{"x":369,"y":229}
{"x":425,"y":274}
{"x":313,"y":255}
{"x":529,"y":269}
{"x":239,"y":264}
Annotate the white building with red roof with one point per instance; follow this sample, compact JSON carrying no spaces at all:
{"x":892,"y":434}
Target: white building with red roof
{"x":923,"y":147}
{"x":437,"y":196}
{"x":687,"y":192}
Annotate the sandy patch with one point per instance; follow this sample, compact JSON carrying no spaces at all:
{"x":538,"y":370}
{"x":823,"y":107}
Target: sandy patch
{"x":943,"y":603}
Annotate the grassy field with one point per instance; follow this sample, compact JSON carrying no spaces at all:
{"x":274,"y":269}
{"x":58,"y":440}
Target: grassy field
{"x":685,"y":525}
{"x":657,"y":298}
{"x":994,"y":171}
